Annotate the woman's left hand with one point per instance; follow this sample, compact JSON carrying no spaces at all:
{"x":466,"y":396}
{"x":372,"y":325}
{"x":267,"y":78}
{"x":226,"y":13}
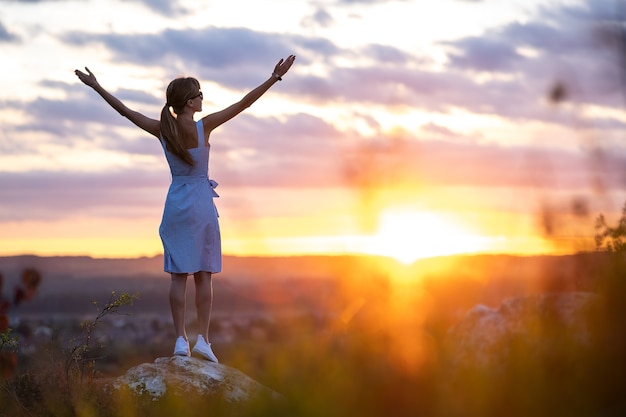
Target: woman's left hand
{"x":283,"y":65}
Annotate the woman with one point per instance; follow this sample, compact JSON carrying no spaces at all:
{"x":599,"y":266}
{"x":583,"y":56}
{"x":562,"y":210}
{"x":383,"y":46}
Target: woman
{"x":189,"y":228}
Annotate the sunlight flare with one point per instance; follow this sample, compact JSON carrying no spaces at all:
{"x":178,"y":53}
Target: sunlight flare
{"x":410,"y":235}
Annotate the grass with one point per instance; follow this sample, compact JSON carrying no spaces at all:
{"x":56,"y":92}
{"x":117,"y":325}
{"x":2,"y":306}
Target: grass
{"x":386,"y":356}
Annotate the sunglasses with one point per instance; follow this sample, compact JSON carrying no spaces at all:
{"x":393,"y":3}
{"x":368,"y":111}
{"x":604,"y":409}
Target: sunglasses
{"x":198,"y":95}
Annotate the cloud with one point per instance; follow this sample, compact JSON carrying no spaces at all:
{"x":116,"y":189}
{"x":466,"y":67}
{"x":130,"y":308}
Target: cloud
{"x":321,"y":18}
{"x":250,"y":150}
{"x":79,"y":115}
{"x":596,"y":10}
{"x":431,"y":91}
{"x":165,"y":7}
{"x":214,"y":48}
{"x":485,"y":54}
{"x":525,"y":61}
{"x":233,"y":57}
{"x":560,"y":45}
{"x":35,"y":1}
{"x":507,"y":71}
{"x":299,"y":151}
{"x":45,"y":195}
{"x":366,"y":1}
{"x":63,"y":122}
{"x":380,"y":75}
{"x":386,"y":54}
{"x":304,"y":151}
{"x":6,"y":36}
{"x":558,"y":48}
{"x":428,"y":162}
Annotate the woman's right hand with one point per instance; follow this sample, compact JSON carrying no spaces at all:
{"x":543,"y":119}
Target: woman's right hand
{"x":89,"y":79}
{"x":283,"y":65}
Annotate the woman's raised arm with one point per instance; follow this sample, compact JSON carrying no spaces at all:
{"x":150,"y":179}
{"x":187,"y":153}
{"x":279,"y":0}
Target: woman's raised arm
{"x":151,"y":126}
{"x":213,"y":120}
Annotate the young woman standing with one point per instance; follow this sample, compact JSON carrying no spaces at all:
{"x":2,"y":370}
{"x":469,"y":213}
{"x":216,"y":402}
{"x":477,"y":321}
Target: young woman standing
{"x":189,"y":228}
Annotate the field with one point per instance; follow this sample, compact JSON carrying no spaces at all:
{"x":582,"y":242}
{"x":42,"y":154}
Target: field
{"x":337,"y":336}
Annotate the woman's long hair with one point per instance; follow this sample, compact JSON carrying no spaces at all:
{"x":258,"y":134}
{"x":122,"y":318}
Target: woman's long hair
{"x":178,"y":92}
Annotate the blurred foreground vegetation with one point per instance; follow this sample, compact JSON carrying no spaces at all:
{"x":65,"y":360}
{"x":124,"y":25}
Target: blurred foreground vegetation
{"x":383,"y":353}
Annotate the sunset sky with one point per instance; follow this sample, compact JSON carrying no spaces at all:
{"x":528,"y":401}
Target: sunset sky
{"x":405,"y":128}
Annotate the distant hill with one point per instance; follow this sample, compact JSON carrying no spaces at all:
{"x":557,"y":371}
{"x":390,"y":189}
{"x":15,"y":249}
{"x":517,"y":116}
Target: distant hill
{"x":233,"y":266}
{"x":70,"y":283}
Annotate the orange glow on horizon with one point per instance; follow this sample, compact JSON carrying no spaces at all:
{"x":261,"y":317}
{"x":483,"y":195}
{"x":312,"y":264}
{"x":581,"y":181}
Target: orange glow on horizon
{"x":374,"y":245}
{"x":405,"y":235}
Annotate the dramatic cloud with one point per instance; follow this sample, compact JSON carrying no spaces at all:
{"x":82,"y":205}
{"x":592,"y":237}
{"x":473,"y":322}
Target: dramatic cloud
{"x":525,"y":59}
{"x":529,"y":103}
{"x":227,"y":55}
{"x":5,"y":35}
{"x":560,"y":45}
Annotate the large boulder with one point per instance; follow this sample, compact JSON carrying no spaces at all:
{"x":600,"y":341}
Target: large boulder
{"x":491,"y":338}
{"x":186,"y":384}
{"x":532,"y":356}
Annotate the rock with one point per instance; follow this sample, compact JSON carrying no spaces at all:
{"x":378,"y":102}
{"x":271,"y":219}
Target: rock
{"x":532,"y":356}
{"x":196,"y":381}
{"x":491,"y":338}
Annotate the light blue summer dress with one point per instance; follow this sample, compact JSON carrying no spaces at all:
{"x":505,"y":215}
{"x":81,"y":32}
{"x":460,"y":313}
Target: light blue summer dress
{"x":189,"y":229}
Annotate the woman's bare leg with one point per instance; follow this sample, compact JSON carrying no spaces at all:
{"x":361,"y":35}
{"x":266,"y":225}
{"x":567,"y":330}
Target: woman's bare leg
{"x":204,"y":301}
{"x":178,"y":296}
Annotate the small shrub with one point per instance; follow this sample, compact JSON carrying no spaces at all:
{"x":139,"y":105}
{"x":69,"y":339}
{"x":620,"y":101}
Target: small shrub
{"x":80,"y":357}
{"x":611,"y":239}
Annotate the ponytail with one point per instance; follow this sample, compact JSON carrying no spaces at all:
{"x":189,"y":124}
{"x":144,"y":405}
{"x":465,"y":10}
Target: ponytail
{"x":169,"y":133}
{"x":177,"y":94}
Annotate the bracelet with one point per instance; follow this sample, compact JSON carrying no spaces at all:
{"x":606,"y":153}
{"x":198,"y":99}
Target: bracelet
{"x":278,"y":77}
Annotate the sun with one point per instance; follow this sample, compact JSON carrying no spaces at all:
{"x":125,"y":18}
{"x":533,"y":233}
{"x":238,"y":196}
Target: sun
{"x":410,"y":235}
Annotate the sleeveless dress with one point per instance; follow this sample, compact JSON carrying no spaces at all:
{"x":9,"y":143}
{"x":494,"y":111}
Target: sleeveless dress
{"x":189,"y":228}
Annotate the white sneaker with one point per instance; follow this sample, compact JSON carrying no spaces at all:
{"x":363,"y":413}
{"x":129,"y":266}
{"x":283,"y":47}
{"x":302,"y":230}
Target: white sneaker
{"x":203,"y":349}
{"x":182,"y":347}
